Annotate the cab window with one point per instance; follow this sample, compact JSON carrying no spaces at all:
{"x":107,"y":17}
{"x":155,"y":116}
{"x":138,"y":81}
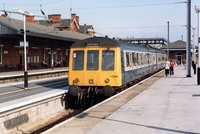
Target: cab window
{"x":78,"y":60}
{"x":92,"y":59}
{"x":108,"y":60}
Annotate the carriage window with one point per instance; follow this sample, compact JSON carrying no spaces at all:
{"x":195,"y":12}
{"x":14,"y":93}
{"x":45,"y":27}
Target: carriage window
{"x":148,"y":58}
{"x":108,"y":60}
{"x":136,"y":62}
{"x":139,"y":58}
{"x":133,"y":60}
{"x":0,"y":54}
{"x":144,"y":58}
{"x":78,"y":60}
{"x":129,"y":59}
{"x":163,"y":58}
{"x":92,"y":60}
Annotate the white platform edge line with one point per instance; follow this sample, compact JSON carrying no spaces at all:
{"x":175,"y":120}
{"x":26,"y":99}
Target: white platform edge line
{"x":30,"y":100}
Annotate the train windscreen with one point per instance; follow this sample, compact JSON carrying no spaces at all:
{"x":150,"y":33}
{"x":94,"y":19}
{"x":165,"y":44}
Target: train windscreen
{"x":92,"y":60}
{"x":108,"y":60}
{"x":78,"y":60}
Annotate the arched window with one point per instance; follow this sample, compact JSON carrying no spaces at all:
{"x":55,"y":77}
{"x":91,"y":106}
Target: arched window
{"x":179,"y":58}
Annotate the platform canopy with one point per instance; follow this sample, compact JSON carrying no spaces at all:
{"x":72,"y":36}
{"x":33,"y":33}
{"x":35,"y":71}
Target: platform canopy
{"x":154,"y":42}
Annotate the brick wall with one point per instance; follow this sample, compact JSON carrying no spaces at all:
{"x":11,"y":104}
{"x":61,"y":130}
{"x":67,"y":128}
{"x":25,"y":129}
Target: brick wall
{"x":13,"y":54}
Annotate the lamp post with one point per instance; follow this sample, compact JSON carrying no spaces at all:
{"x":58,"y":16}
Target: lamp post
{"x":168,"y":40}
{"x":24,"y":13}
{"x":188,"y":45}
{"x":197,"y":8}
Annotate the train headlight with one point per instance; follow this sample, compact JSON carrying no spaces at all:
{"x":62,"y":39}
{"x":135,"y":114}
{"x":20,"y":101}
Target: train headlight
{"x":91,"y":81}
{"x":107,"y":80}
{"x":76,"y":80}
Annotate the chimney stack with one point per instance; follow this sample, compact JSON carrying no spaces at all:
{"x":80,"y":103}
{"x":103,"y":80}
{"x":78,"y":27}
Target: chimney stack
{"x":77,"y":19}
{"x":73,"y":16}
{"x":85,"y":29}
{"x":30,"y":18}
{"x":55,"y":18}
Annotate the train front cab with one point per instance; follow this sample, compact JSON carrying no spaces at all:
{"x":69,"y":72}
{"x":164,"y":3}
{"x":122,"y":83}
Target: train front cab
{"x":95,"y":68}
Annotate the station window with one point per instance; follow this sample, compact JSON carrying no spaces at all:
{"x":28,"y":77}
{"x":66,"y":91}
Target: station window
{"x":33,"y":59}
{"x":108,"y":60}
{"x":1,"y":55}
{"x":92,"y":59}
{"x":78,"y":60}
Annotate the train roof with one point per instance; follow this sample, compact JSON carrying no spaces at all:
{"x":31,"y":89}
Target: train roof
{"x":96,"y":41}
{"x":108,"y":42}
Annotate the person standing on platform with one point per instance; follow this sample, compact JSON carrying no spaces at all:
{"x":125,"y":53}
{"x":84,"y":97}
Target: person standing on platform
{"x":194,"y":66}
{"x":167,"y":66}
{"x":171,"y":69}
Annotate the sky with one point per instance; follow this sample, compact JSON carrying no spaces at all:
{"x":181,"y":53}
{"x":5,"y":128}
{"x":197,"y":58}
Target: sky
{"x":118,"y":18}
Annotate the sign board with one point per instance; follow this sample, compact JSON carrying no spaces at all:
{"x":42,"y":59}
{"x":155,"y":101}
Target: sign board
{"x":21,"y":43}
{"x":5,"y":52}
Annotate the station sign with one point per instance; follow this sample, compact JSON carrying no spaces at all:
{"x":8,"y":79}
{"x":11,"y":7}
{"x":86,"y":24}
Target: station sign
{"x":21,"y":44}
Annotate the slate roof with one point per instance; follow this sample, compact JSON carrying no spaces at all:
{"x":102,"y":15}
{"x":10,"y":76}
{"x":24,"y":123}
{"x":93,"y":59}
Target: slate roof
{"x":179,"y":44}
{"x":40,"y":30}
{"x":82,"y":27}
{"x":66,"y":23}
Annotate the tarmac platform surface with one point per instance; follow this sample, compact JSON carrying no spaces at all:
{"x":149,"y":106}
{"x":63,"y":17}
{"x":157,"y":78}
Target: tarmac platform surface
{"x":170,"y":105}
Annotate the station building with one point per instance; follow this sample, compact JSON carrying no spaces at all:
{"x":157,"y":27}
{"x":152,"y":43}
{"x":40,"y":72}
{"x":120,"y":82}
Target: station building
{"x":177,"y":52}
{"x":48,"y":43}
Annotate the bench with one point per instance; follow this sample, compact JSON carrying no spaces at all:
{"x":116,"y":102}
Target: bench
{"x":11,"y":66}
{"x":44,"y":64}
{"x":34,"y":65}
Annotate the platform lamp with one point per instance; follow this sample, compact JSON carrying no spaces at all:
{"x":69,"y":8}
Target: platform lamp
{"x":24,"y":13}
{"x":197,"y":8}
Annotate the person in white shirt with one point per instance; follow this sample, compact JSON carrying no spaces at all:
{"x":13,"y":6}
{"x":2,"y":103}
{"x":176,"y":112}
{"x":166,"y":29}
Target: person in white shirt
{"x":167,"y":66}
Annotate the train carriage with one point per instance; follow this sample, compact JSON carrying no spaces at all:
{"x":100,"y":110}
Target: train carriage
{"x":103,"y":65}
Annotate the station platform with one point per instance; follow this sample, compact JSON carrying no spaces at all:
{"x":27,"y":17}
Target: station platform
{"x":160,"y":105}
{"x":34,"y":71}
{"x":16,"y":76}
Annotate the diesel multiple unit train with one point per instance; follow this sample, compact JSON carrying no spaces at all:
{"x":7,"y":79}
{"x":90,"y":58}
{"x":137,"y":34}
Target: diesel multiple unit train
{"x":101,"y":66}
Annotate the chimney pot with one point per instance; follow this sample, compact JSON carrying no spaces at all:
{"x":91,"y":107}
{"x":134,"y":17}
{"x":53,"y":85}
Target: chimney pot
{"x":73,"y":16}
{"x":30,"y":18}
